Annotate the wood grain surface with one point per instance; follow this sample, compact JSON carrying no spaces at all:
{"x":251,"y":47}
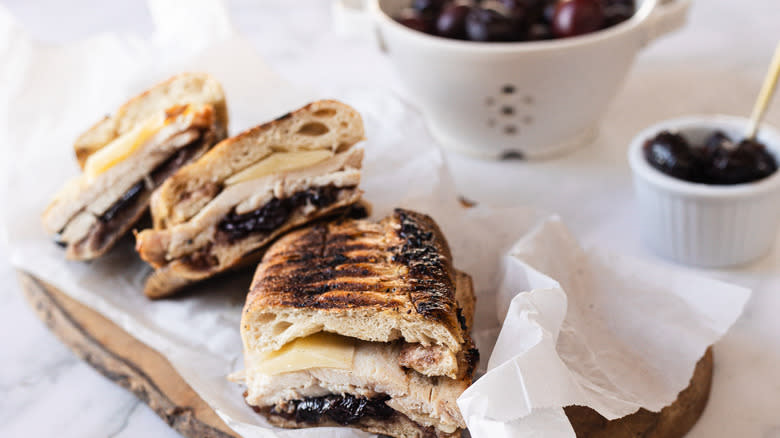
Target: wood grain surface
{"x":142,"y":370}
{"x":123,"y":359}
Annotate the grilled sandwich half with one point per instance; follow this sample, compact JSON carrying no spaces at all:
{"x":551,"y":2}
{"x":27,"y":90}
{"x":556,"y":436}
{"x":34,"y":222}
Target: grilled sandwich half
{"x":221,"y":211}
{"x":362,"y":324}
{"x":125,"y":156}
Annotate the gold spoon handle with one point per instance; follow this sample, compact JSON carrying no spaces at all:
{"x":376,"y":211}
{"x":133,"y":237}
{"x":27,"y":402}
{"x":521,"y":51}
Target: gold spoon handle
{"x":765,"y":96}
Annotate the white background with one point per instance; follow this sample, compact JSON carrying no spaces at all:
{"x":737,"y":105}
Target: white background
{"x":715,"y":65}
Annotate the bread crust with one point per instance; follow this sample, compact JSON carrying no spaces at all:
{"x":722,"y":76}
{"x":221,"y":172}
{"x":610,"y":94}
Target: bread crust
{"x":376,"y":281}
{"x":184,"y":88}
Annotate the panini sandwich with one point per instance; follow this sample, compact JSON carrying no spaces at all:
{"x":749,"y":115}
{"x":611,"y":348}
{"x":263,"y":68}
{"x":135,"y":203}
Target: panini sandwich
{"x":127,"y":155}
{"x":220,"y":212}
{"x":362,"y":324}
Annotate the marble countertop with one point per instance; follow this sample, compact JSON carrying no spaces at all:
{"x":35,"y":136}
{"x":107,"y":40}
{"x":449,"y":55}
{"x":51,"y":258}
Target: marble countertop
{"x":715,"y":65}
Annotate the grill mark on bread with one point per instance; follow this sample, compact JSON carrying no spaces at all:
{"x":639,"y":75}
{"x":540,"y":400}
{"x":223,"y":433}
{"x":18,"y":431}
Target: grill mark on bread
{"x":322,"y":273}
{"x":432,"y":286}
{"x":303,"y":266}
{"x":315,"y":268}
{"x":353,"y":247}
{"x":315,"y":298}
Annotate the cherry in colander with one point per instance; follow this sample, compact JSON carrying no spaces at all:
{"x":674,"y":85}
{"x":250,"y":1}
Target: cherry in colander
{"x":451,"y":22}
{"x":577,"y":17}
{"x":514,"y":20}
{"x":495,"y":23}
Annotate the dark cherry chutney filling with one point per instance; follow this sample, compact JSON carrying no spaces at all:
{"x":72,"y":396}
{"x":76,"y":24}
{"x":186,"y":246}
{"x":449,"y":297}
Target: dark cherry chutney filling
{"x":514,"y":20}
{"x":158,"y":175}
{"x":718,"y":161}
{"x":275,"y":212}
{"x":343,"y":409}
{"x":126,"y":207}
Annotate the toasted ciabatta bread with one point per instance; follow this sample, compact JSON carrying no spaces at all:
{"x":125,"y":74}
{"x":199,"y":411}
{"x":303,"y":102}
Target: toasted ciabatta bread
{"x":182,"y":89}
{"x":360,"y":313}
{"x":401,"y":267}
{"x":127,"y":156}
{"x":219,"y":212}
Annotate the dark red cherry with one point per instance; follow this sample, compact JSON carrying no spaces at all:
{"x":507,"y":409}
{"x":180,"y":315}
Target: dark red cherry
{"x":577,"y":17}
{"x":415,"y":23}
{"x":748,"y":162}
{"x":763,"y":160}
{"x":489,"y":25}
{"x":671,"y":154}
{"x":428,"y":6}
{"x":717,"y":160}
{"x":520,"y":14}
{"x":548,"y":13}
{"x":452,"y":21}
{"x":715,"y":142}
{"x":532,"y":10}
{"x":415,"y":20}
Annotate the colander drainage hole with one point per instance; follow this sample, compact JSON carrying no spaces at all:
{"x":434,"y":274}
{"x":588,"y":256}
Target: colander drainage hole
{"x":512,"y":155}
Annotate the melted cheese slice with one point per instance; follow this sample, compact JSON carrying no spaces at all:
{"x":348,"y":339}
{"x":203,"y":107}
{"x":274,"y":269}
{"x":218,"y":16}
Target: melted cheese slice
{"x":320,"y":350}
{"x":119,"y":149}
{"x":279,"y":162}
{"x":123,"y":146}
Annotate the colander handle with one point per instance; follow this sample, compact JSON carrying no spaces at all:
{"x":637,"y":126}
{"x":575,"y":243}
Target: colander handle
{"x":352,"y":19}
{"x":666,"y":17}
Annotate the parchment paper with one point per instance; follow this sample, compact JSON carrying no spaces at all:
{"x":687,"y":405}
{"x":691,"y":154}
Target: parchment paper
{"x":594,"y":328}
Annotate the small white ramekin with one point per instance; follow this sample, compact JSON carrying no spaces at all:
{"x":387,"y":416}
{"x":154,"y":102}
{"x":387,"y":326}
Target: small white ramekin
{"x":699,"y":224}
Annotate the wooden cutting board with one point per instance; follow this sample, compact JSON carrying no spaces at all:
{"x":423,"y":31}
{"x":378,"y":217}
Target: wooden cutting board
{"x":142,"y":370}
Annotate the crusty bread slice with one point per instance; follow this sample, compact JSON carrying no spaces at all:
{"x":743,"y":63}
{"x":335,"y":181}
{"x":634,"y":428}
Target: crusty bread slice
{"x":182,"y":89}
{"x":96,"y":208}
{"x":425,"y":406}
{"x":375,"y":281}
{"x":325,"y":124}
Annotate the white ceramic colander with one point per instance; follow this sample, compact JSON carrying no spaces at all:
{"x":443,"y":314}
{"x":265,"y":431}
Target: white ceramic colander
{"x":529,"y":99}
